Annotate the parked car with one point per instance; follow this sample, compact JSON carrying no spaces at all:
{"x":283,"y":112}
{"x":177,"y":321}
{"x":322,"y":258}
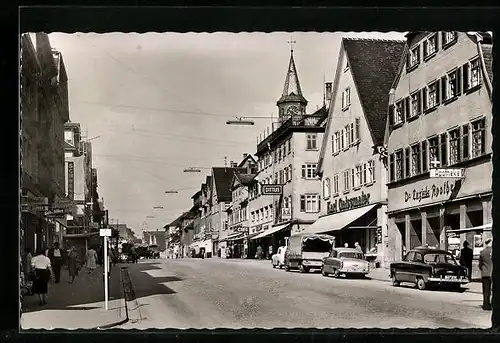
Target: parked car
{"x":345,"y":261}
{"x":427,"y":267}
{"x":278,"y":259}
{"x":307,"y":251}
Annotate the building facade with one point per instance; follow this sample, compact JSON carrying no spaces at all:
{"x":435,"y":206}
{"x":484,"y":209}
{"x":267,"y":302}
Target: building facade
{"x":287,"y":156}
{"x":44,"y":110}
{"x":352,"y":164}
{"x":155,"y":239}
{"x":441,"y":117}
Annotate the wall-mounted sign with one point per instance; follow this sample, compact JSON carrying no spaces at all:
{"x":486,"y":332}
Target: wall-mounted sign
{"x":286,"y":213}
{"x":433,"y":191}
{"x":447,"y":172}
{"x":71,"y":180}
{"x":269,"y":189}
{"x":346,"y":204}
{"x":57,"y":212}
{"x":379,"y":235}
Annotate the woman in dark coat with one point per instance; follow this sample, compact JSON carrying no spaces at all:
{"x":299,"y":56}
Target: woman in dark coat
{"x":72,"y":264}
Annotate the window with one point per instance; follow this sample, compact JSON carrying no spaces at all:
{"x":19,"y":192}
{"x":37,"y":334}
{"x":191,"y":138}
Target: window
{"x":333,"y":144}
{"x":346,"y":180}
{"x":451,"y":85}
{"x":352,"y":133}
{"x":312,"y":141}
{"x":478,"y":138}
{"x":399,"y":164}
{"x":407,"y":162}
{"x":370,"y":176}
{"x":471,"y":74}
{"x":346,"y":98}
{"x":352,"y":177}
{"x":415,"y":159}
{"x":357,"y":134}
{"x":425,"y":163}
{"x":336,"y":184}
{"x":276,"y":177}
{"x":309,"y":203}
{"x":326,"y":188}
{"x":337,"y":141}
{"x":443,"y":141}
{"x":413,"y":58}
{"x":454,"y":136}
{"x":398,"y":112}
{"x":357,"y":176}
{"x":347,"y":132}
{"x":434,"y":152}
{"x":432,"y":95}
{"x":449,"y":38}
{"x":309,"y":170}
{"x":282,"y":181}
{"x":279,"y":153}
{"x":290,"y":172}
{"x":392,"y":169}
{"x":415,"y":105}
{"x":342,"y":139}
{"x":430,"y":45}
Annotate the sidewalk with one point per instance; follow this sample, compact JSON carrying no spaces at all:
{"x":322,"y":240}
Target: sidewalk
{"x":79,"y":305}
{"x":382,"y":274}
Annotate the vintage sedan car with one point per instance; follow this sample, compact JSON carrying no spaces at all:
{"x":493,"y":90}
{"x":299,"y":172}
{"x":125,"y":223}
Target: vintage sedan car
{"x":345,"y":261}
{"x":429,"y":267}
{"x":278,"y":259}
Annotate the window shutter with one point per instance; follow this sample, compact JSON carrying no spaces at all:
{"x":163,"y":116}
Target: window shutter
{"x":438,"y":92}
{"x":290,"y":171}
{"x":303,"y":170}
{"x":333,"y":144}
{"x":357,"y":132}
{"x":424,"y":98}
{"x":373,"y":171}
{"x":352,"y":177}
{"x":444,"y":150}
{"x":406,"y":111}
{"x":465,"y":77}
{"x":391,"y":115}
{"x":459,"y":79}
{"x":408,"y":59}
{"x":443,"y":38}
{"x":443,"y":88}
{"x":302,"y":203}
{"x":418,"y":54}
{"x":319,"y":203}
{"x":424,"y":156}
{"x":425,"y":48}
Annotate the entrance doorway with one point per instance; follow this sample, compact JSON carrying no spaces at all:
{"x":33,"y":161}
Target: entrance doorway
{"x":415,"y":233}
{"x":433,"y":232}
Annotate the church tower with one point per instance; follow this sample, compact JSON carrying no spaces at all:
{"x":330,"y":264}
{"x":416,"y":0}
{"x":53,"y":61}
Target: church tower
{"x":292,"y":103}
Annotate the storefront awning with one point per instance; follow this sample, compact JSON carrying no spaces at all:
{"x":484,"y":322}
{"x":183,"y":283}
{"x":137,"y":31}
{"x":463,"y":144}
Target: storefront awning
{"x":81,"y":235}
{"x":237,"y":237}
{"x":485,"y":227}
{"x":337,"y":221}
{"x":230,"y":237}
{"x":271,"y":231}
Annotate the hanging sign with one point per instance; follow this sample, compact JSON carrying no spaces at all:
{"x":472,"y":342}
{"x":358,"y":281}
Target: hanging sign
{"x":71,"y":180}
{"x":269,"y":189}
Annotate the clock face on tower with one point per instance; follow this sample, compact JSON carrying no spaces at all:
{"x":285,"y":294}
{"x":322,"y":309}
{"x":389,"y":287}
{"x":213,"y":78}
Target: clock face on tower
{"x":292,"y":110}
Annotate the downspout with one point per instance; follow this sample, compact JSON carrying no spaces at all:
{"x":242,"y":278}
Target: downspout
{"x":483,"y":67}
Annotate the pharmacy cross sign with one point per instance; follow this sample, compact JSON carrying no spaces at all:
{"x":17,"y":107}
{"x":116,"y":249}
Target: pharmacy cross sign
{"x":435,"y":163}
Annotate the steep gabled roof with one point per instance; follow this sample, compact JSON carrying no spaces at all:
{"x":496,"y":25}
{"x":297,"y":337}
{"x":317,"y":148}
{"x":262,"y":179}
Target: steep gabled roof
{"x":223,"y":176}
{"x":374,"y":65}
{"x":488,"y":59}
{"x":248,"y":157}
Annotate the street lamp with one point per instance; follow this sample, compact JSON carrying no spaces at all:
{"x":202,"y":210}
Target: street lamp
{"x":171,"y":192}
{"x":240,"y":121}
{"x":192,"y":170}
{"x":158,"y":207}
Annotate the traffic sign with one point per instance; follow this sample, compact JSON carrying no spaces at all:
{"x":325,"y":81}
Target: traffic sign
{"x":105,"y":232}
{"x":447,"y":172}
{"x":272,"y":189}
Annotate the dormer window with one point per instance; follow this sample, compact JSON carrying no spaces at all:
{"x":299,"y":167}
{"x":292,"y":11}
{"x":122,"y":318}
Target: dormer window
{"x":449,"y":38}
{"x":430,"y":46}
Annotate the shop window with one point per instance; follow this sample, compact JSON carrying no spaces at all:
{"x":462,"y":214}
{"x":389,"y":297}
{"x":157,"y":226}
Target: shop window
{"x":415,"y":233}
{"x":478,"y":138}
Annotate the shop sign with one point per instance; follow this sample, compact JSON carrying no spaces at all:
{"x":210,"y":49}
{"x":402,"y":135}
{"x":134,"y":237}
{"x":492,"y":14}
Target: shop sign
{"x":268,"y":189}
{"x":447,"y":172}
{"x":71,"y":180}
{"x":433,"y":191}
{"x":346,"y":204}
{"x":379,"y":235}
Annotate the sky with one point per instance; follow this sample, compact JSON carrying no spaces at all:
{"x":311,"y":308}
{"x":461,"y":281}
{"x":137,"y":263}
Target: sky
{"x":159,"y":102}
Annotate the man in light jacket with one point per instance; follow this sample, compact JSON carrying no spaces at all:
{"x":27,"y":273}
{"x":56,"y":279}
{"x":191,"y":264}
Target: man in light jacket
{"x":486,"y":267}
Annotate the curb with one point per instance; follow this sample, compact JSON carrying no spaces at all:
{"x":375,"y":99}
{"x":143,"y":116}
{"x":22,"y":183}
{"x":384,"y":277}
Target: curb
{"x":124,"y":306}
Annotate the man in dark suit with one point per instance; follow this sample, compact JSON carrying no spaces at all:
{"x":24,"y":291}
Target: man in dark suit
{"x":486,"y":267}
{"x":56,"y":260}
{"x":466,"y":255}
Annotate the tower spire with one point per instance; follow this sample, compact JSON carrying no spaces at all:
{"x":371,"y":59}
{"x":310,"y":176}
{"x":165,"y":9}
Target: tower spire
{"x":292,"y":84}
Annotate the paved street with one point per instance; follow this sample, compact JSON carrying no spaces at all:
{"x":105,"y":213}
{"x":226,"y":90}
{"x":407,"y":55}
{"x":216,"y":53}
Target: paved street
{"x":211,"y":293}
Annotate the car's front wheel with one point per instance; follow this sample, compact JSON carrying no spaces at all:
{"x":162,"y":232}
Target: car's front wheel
{"x":395,"y":281}
{"x":421,"y":285}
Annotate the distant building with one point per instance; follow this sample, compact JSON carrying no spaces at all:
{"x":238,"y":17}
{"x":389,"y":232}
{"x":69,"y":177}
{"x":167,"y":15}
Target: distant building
{"x":155,"y":238}
{"x":441,"y":117}
{"x":287,"y":156}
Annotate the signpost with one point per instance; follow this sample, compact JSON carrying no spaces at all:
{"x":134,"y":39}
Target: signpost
{"x":105,"y":233}
{"x":447,"y":172}
{"x":270,"y":189}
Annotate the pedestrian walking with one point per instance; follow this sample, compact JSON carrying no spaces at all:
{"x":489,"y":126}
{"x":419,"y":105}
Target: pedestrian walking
{"x":42,"y":271}
{"x":72,"y":264}
{"x":91,"y":260}
{"x":466,"y":255}
{"x":486,"y":267}
{"x":259,"y":253}
{"x":56,"y":259}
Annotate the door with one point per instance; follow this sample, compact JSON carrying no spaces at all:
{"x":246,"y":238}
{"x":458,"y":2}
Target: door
{"x":331,"y":261}
{"x":418,"y":267}
{"x":403,"y":269}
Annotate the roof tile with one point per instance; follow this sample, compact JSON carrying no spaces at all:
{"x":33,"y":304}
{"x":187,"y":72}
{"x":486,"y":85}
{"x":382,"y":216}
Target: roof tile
{"x":223,"y":177}
{"x":488,"y":59}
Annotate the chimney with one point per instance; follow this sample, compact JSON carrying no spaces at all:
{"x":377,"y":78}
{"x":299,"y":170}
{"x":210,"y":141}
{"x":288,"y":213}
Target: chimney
{"x":234,"y":164}
{"x":328,"y":91}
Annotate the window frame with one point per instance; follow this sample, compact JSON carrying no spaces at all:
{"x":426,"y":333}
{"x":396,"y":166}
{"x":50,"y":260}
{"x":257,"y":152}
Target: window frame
{"x":336,"y":185}
{"x":310,"y":198}
{"x":457,"y":130}
{"x":415,"y":166}
{"x":309,"y":167}
{"x":426,"y":54}
{"x":482,"y":129}
{"x":413,"y":57}
{"x":398,"y":174}
{"x":346,"y":181}
{"x":412,"y":114}
{"x":447,"y":43}
{"x":346,"y":98}
{"x":327,"y":188}
{"x":310,"y":138}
